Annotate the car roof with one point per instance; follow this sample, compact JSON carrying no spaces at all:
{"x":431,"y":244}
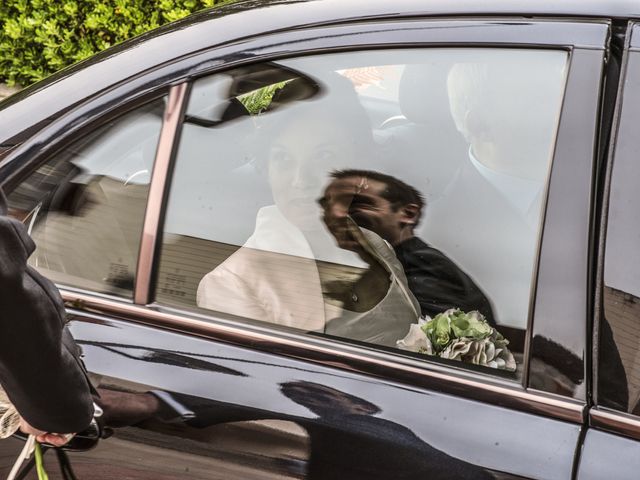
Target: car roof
{"x":36,"y":106}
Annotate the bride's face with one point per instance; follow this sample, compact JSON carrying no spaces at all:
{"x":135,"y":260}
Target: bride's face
{"x":301,"y":158}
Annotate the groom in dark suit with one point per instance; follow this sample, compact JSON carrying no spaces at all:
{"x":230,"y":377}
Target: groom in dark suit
{"x":392,"y":209}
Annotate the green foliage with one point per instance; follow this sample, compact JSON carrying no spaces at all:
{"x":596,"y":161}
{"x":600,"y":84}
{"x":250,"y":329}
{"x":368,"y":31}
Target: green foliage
{"x":38,"y":37}
{"x":258,"y":100}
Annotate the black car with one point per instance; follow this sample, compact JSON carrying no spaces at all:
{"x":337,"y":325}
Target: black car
{"x":346,"y":239}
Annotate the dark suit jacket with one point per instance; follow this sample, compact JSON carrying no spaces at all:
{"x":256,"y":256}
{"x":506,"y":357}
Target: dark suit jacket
{"x":438,"y":283}
{"x":39,"y":365}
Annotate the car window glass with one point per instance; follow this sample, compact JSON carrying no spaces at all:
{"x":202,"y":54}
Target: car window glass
{"x":619,"y":339}
{"x":85,"y":206}
{"x":361,"y":195}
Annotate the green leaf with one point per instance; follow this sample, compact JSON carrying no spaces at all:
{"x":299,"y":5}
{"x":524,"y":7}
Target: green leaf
{"x":38,"y":37}
{"x":438,"y":330}
{"x":12,"y":29}
{"x":70,"y":8}
{"x":469,"y":325}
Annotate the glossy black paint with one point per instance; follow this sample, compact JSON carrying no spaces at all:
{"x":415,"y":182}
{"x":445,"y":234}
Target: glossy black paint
{"x":353,"y":422}
{"x":222,"y":384}
{"x":614,"y":395}
{"x":602,"y":457}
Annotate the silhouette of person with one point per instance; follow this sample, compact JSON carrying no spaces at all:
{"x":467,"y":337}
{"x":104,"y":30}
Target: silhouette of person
{"x":347,"y":440}
{"x":346,"y":437}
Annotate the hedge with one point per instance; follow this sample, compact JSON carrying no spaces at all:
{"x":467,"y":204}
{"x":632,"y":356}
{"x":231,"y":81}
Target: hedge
{"x":39,"y":37}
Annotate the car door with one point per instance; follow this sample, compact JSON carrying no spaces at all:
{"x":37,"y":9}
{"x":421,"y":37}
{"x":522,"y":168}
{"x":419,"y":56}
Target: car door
{"x":196,"y":297}
{"x":611,"y":444}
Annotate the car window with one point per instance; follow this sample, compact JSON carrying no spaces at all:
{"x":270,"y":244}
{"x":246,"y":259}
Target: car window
{"x":619,"y":339}
{"x":85,"y":205}
{"x":390,"y":198}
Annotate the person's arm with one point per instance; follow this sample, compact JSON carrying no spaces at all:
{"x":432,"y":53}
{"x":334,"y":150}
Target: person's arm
{"x":39,"y":372}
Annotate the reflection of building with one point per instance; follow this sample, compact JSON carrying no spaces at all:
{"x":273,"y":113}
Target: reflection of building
{"x":622,"y":310}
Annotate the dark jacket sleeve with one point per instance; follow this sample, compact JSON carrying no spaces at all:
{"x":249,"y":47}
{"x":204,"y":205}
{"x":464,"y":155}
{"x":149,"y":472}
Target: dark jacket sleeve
{"x":438,"y":283}
{"x":39,"y":367}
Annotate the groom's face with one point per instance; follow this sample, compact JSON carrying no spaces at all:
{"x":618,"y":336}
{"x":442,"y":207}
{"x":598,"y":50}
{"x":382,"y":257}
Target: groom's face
{"x":363,"y":200}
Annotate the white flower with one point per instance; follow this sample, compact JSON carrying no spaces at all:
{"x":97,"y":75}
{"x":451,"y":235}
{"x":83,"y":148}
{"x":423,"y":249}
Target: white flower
{"x":486,"y":346}
{"x":459,"y":349}
{"x":416,"y":340}
{"x":480,"y":352}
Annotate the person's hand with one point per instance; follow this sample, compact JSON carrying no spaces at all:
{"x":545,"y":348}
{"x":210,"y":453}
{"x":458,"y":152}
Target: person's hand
{"x":55,"y":439}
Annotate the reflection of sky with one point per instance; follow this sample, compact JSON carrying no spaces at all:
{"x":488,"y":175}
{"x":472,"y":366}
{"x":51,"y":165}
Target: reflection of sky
{"x":474,"y":432}
{"x":126,"y":153}
{"x":213,"y":196}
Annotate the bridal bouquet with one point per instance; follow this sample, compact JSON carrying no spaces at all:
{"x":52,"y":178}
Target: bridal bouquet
{"x":457,"y":335}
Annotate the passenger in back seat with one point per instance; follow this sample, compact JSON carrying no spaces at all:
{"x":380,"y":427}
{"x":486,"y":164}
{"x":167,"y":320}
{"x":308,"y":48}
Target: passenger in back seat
{"x":392,"y":209}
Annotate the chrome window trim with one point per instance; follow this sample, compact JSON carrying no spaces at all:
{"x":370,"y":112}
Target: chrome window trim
{"x":149,"y":237}
{"x":349,"y":357}
{"x":615,"y":422}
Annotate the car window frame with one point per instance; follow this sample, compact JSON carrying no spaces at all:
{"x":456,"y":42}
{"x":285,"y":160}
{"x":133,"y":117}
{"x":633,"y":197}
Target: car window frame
{"x":594,"y":79}
{"x":18,"y":171}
